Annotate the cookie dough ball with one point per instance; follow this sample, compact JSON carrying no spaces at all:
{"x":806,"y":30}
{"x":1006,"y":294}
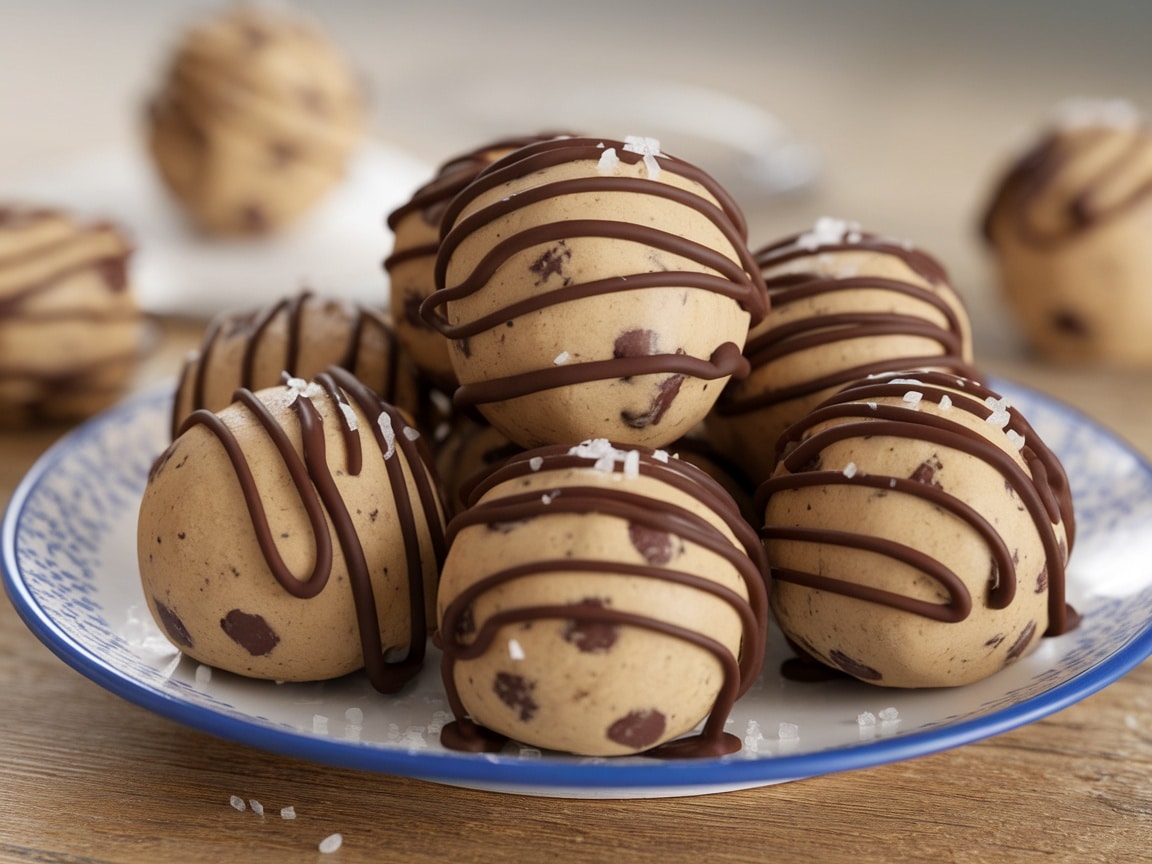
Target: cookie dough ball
{"x":302,"y":335}
{"x":599,"y":601}
{"x":917,"y":532}
{"x":594,"y":288}
{"x":470,"y":449}
{"x":844,"y":304}
{"x":1068,"y":226}
{"x":255,"y":122}
{"x":295,"y":536}
{"x":71,"y":332}
{"x":412,"y":264}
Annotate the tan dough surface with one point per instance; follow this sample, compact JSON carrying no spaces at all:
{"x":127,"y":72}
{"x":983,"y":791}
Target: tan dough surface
{"x":71,"y":332}
{"x":200,"y":559}
{"x":255,"y":121}
{"x":591,"y":687}
{"x":670,"y":319}
{"x":878,"y":642}
{"x":1069,"y":227}
{"x":302,"y":335}
{"x":844,"y":304}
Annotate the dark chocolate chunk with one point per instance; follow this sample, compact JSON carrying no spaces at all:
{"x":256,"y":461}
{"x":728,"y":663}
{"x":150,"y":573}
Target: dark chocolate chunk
{"x":638,"y":729}
{"x":250,"y":632}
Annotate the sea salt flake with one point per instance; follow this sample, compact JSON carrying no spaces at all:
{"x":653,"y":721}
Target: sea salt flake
{"x":354,"y":715}
{"x":913,"y":397}
{"x":866,"y":718}
{"x":632,"y":464}
{"x":203,"y":675}
{"x":535,"y":462}
{"x":1015,"y":439}
{"x":515,"y":651}
{"x":238,"y":803}
{"x":331,"y":843}
{"x":350,"y":420}
{"x":892,"y":483}
{"x":660,"y":456}
{"x":789,"y":732}
{"x":853,"y":237}
{"x":871,"y":405}
{"x":945,"y":402}
{"x":319,"y":724}
{"x":608,"y":161}
{"x":256,"y":806}
{"x":913,"y":381}
{"x":385,"y":423}
{"x":649,"y":148}
{"x":889,"y":715}
{"x":411,"y":433}
{"x":850,"y":470}
{"x":827,"y":232}
{"x":287,"y":812}
{"x":561,"y":358}
{"x":549,"y":497}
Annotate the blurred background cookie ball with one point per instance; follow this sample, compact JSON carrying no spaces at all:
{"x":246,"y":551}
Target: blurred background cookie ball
{"x":255,"y":121}
{"x":71,"y":332}
{"x":1068,"y":225}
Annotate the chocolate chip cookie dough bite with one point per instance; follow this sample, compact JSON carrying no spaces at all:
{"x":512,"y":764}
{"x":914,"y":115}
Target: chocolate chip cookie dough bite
{"x":71,"y":332}
{"x":599,"y":601}
{"x":594,"y":288}
{"x":917,"y":529}
{"x":255,"y":121}
{"x":844,"y":303}
{"x":302,"y":334}
{"x":1068,"y":227}
{"x":296,"y":535}
{"x":411,"y":265}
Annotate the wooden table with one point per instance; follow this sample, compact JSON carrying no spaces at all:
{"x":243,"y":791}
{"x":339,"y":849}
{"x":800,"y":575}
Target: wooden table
{"x":911,"y":134}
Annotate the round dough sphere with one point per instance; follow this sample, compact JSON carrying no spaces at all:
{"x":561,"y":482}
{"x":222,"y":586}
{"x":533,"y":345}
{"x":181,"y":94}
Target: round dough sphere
{"x":599,"y":601}
{"x":71,"y":332}
{"x":917,"y":531}
{"x":1068,"y":226}
{"x":295,"y":536}
{"x":594,"y":288}
{"x":844,"y":304}
{"x":412,"y":264}
{"x":302,"y":336}
{"x":255,"y":122}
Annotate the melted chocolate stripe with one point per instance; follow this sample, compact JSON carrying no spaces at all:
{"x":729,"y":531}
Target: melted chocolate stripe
{"x":817,"y":331}
{"x":789,"y":249}
{"x":726,"y":361}
{"x":423,"y":250}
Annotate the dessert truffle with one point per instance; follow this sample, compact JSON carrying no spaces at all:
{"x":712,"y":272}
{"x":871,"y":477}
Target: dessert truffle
{"x":1068,"y":226}
{"x":302,"y":335}
{"x":70,"y":329}
{"x":255,"y":121}
{"x":296,"y":535}
{"x":411,"y":265}
{"x":594,"y":288}
{"x":599,"y":601}
{"x":917,"y":531}
{"x":845,"y":303}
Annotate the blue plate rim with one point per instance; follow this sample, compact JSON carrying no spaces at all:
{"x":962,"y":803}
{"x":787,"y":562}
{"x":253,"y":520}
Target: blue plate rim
{"x":544,"y":773}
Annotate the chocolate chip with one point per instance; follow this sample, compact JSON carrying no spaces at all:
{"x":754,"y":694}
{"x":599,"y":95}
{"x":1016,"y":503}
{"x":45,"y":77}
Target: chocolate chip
{"x":1021,"y":644}
{"x":412,"y":301}
{"x":634,"y":343}
{"x":666,"y":393}
{"x":1042,"y":580}
{"x":551,"y":263}
{"x":995,"y":640}
{"x":589,"y":635}
{"x":854,"y":667}
{"x":250,"y":632}
{"x":254,"y":219}
{"x":1070,"y":324}
{"x":655,"y":546}
{"x":926,"y":472}
{"x":283,"y":153}
{"x":638,"y":729}
{"x":516,"y":692}
{"x":466,"y":622}
{"x":173,"y":626}
{"x":114,"y":273}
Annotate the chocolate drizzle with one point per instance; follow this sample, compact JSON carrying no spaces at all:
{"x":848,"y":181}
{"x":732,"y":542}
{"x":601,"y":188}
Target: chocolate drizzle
{"x":323,"y":504}
{"x":636,"y":510}
{"x":817,"y":331}
{"x":855,"y":413}
{"x":1032,"y":185}
{"x":737,"y":279}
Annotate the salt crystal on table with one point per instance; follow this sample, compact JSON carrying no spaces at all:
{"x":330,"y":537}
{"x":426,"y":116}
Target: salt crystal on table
{"x":203,"y":675}
{"x":237,"y":802}
{"x":913,"y":397}
{"x":287,"y":812}
{"x":331,"y":843}
{"x":789,"y":731}
{"x":354,"y":715}
{"x":319,"y":724}
{"x":866,"y":718}
{"x":385,"y":423}
{"x":535,"y":462}
{"x":410,"y":433}
{"x":256,"y":806}
{"x":889,"y":715}
{"x":1015,"y":439}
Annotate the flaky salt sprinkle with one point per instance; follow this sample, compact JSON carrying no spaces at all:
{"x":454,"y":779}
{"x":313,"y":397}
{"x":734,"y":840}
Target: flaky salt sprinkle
{"x":256,"y":806}
{"x":319,"y":724}
{"x":608,"y":161}
{"x":649,"y":148}
{"x":515,"y":650}
{"x":890,"y":715}
{"x":354,"y":716}
{"x":913,"y":397}
{"x":945,"y":402}
{"x":789,"y":731}
{"x":561,"y":358}
{"x":850,"y":470}
{"x":411,"y":433}
{"x":536,"y":462}
{"x":238,"y":803}
{"x":331,"y":843}
{"x":203,"y":676}
{"x":866,"y":718}
{"x":632,"y":464}
{"x":287,"y":812}
{"x":1015,"y":439}
{"x":549,"y":497}
{"x":999,"y":416}
{"x":828,"y":231}
{"x":385,"y":423}
{"x":660,"y":456}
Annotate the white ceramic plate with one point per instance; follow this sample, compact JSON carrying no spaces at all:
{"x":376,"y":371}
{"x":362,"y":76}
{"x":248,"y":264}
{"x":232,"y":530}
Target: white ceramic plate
{"x":337,"y":248}
{"x":68,"y":554}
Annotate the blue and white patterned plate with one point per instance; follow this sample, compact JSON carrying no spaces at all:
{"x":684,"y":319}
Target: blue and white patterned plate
{"x":69,"y":565}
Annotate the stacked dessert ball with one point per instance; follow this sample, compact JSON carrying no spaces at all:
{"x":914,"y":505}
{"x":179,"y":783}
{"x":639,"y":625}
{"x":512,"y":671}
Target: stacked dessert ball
{"x":590,"y":304}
